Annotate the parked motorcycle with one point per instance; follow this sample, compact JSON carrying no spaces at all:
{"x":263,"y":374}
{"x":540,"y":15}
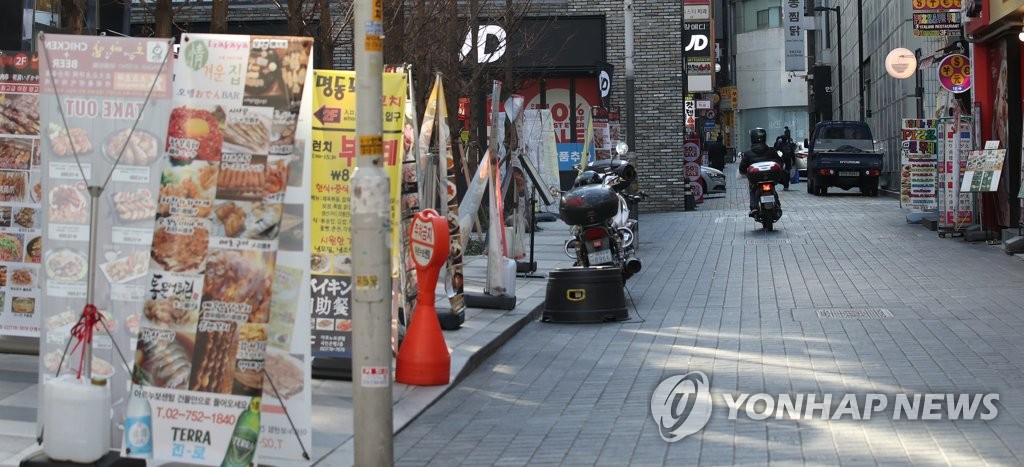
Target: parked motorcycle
{"x":597,"y":211}
{"x":763,"y":176}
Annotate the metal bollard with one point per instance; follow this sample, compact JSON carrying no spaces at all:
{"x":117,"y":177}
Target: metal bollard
{"x":689,"y":203}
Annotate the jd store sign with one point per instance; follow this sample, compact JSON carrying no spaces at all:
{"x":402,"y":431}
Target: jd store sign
{"x":697,"y":39}
{"x":536,"y":42}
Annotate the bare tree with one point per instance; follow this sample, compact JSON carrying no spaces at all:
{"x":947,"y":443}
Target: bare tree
{"x":163,"y":13}
{"x":219,"y":17}
{"x":73,"y":14}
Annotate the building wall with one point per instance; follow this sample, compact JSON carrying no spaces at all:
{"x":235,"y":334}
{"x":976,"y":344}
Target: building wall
{"x":887,"y":25}
{"x":770,"y":97}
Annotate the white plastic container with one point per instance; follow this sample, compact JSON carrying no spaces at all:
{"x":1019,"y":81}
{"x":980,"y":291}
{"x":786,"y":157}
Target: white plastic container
{"x":509,"y":277}
{"x":76,"y":420}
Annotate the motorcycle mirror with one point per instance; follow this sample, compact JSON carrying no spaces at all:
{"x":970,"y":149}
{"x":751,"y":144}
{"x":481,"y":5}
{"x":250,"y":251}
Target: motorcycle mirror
{"x":621,"y":148}
{"x":554,"y":191}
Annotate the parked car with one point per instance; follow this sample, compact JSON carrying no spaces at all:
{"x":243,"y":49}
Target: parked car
{"x":801,"y":159}
{"x":712,"y":180}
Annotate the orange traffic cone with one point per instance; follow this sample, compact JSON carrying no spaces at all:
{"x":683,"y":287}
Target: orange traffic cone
{"x":423,"y":359}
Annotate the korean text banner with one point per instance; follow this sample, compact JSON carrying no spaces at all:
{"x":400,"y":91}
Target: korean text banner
{"x":918,"y":164}
{"x":208,"y":300}
{"x":98,"y":119}
{"x":334,"y":163}
{"x":20,"y":224}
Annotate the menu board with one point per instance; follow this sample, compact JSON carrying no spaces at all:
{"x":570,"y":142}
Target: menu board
{"x":955,"y":207}
{"x":20,"y":223}
{"x":334,"y":163}
{"x":210,"y":296}
{"x":103,"y":106}
{"x":984,"y":169}
{"x":918,"y":164}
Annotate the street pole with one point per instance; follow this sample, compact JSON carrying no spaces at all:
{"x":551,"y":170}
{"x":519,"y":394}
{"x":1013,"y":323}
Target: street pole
{"x":839,"y":59}
{"x":627,"y":9}
{"x":371,"y":251}
{"x":860,"y":56}
{"x":839,"y":52}
{"x":919,"y":84}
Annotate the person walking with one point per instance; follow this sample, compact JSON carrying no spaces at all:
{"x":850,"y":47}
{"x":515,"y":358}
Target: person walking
{"x":716,"y":154}
{"x":785,"y":145}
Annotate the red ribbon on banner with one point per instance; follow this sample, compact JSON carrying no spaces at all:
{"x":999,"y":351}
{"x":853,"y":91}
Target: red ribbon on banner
{"x":82,"y":331}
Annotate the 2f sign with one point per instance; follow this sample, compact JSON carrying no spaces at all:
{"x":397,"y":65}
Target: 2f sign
{"x":482,"y":56}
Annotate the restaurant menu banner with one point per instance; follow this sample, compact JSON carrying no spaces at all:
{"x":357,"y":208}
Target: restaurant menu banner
{"x":334,"y":164}
{"x":955,"y":207}
{"x":918,"y":164}
{"x":96,"y":122}
{"x":21,"y":247}
{"x":602,"y":134}
{"x":209,"y":300}
{"x":984,"y":169}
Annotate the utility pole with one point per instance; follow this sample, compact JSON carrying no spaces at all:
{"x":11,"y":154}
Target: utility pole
{"x":860,"y":56}
{"x":371,"y":251}
{"x":839,"y":53}
{"x":627,"y":10}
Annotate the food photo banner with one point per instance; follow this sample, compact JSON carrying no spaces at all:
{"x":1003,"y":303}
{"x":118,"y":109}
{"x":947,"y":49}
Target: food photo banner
{"x":209,"y":308}
{"x":334,"y":164}
{"x":21,"y":242}
{"x":98,"y":118}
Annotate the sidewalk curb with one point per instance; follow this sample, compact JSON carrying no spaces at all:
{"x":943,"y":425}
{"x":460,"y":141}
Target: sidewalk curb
{"x":408,"y":410}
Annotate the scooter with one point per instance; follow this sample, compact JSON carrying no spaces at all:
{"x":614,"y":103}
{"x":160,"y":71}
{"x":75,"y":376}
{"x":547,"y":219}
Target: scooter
{"x":763,"y":176}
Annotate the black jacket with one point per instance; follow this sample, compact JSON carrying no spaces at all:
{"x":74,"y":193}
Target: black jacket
{"x":758,"y":153}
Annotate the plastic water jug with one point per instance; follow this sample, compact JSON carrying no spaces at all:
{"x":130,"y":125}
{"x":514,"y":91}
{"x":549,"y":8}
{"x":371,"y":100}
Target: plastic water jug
{"x":76,"y":419}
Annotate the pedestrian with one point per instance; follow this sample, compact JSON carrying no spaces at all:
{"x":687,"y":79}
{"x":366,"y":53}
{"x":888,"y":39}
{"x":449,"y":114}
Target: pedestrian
{"x":785,"y":145}
{"x":716,"y":153}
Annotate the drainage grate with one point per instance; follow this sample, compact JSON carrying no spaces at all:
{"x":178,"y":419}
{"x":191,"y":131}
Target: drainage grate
{"x":765,"y":241}
{"x":853,"y":313}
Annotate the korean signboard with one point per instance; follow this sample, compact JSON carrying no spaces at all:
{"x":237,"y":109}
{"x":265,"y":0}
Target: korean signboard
{"x":918,"y":168}
{"x":224,"y":283}
{"x":698,"y":55}
{"x":937,"y":17}
{"x":21,"y":234}
{"x":792,"y":23}
{"x":334,"y":163}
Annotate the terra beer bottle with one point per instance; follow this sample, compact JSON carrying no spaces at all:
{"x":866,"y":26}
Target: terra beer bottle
{"x":243,"y":441}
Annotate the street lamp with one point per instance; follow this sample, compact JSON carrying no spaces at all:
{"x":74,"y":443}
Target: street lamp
{"x":839,"y":51}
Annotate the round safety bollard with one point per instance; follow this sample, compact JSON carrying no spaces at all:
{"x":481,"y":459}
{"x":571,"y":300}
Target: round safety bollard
{"x":423,"y":359}
{"x":689,"y":202}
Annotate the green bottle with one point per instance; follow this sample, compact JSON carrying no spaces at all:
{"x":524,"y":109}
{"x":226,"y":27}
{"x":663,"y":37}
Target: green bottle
{"x":245,"y":437}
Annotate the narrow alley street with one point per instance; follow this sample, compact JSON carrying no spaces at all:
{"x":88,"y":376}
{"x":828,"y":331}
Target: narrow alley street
{"x":843,"y":298}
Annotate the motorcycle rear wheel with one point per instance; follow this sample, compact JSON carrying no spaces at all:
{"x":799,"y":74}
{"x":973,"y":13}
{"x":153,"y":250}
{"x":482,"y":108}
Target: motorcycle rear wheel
{"x":768,"y":227}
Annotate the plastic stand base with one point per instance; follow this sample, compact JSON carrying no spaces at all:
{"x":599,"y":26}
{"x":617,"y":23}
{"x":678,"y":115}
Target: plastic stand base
{"x":526,"y":266}
{"x":451,"y":321}
{"x":112,"y":459}
{"x":332,"y":368}
{"x":1014,"y":245}
{"x":493,"y":302}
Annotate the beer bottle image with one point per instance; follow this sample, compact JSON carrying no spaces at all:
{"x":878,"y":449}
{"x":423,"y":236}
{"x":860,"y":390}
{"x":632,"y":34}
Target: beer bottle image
{"x":138,"y":428}
{"x":242,"y":447}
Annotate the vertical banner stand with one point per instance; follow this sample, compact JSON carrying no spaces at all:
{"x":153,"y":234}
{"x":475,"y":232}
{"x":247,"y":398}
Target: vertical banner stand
{"x":496,"y":227}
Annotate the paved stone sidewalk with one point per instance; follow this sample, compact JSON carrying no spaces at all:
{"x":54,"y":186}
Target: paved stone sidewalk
{"x":718,"y":295}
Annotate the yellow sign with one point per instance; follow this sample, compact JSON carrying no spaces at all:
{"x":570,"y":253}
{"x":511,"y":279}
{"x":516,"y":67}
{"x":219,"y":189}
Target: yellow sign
{"x":334,"y":162}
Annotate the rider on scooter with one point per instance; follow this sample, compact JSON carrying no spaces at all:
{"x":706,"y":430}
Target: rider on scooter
{"x":758,"y":152}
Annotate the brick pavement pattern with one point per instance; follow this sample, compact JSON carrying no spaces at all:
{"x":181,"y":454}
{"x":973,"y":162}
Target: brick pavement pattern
{"x":720,"y":296}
